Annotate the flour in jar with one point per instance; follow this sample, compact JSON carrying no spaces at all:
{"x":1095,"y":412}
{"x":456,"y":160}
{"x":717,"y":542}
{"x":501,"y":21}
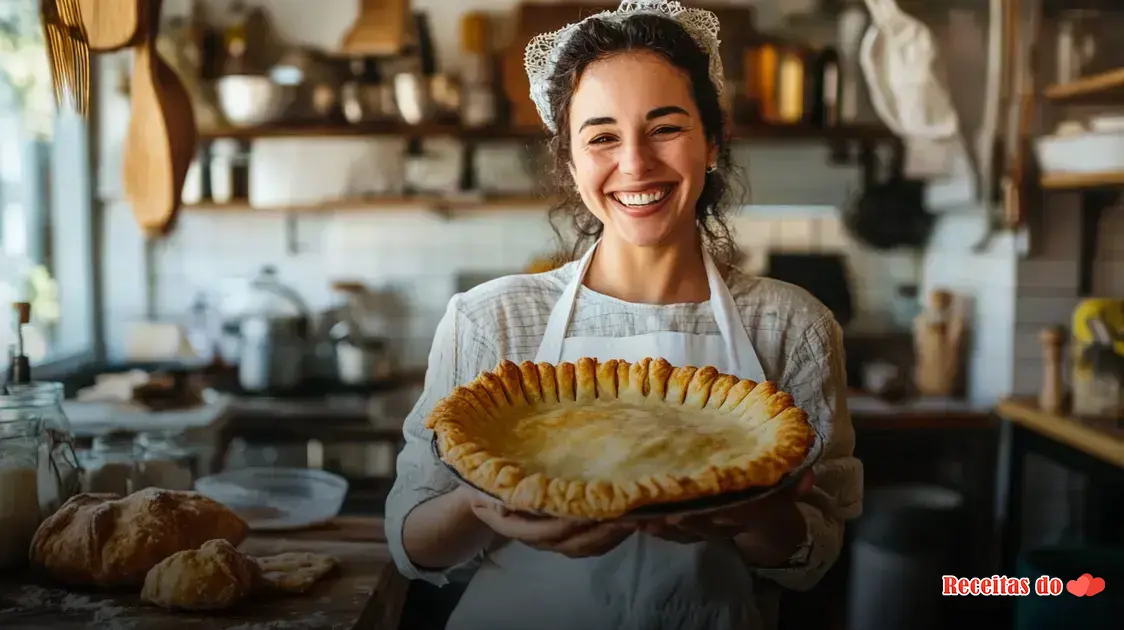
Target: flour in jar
{"x":19,"y":514}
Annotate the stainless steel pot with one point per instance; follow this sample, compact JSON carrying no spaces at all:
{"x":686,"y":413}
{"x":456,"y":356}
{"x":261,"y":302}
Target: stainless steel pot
{"x":361,"y":361}
{"x":273,"y":353}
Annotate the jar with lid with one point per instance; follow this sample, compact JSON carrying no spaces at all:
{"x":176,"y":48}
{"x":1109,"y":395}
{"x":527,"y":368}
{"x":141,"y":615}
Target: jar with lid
{"x":111,"y":464}
{"x":60,"y":474}
{"x":165,"y":462}
{"x":19,"y":485}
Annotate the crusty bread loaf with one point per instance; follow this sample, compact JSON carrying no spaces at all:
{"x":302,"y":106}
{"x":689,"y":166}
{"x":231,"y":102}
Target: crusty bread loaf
{"x":214,"y":577}
{"x":107,"y":540}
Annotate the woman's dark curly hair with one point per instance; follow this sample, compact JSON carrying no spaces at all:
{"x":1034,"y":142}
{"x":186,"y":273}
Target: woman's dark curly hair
{"x":598,"y":39}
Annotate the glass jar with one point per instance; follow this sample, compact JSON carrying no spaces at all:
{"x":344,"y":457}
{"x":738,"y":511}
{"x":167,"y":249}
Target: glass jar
{"x":19,"y":485}
{"x":111,"y":464}
{"x":165,"y":462}
{"x":60,"y":474}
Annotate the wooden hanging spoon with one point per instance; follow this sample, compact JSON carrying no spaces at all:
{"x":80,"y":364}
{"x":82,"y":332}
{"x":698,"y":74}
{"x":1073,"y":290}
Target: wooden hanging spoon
{"x":113,"y":24}
{"x":162,"y":135}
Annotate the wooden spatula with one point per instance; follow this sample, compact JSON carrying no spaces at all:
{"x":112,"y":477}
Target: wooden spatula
{"x":162,"y":135}
{"x":113,"y":24}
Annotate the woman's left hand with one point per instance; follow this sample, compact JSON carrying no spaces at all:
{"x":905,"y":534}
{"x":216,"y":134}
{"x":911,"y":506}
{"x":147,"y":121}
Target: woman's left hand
{"x":751,"y":519}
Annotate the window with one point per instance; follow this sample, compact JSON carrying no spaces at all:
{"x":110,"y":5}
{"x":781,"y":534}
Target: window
{"x":45,"y":201}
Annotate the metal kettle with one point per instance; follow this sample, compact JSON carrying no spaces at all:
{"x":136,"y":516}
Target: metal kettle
{"x":275,"y":337}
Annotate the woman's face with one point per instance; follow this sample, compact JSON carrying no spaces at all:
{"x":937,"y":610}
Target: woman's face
{"x":639,"y":149}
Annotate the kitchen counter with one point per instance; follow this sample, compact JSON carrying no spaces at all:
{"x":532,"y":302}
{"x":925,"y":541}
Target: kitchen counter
{"x":1100,"y":438}
{"x":369,"y":415}
{"x":90,"y":419}
{"x":871,"y":412}
{"x":367,"y":591}
{"x":357,"y":436}
{"x":1091,"y":447}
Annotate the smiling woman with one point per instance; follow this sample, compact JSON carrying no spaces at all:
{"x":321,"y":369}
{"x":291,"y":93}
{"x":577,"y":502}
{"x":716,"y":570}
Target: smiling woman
{"x":686,"y":137}
{"x":632,"y":99}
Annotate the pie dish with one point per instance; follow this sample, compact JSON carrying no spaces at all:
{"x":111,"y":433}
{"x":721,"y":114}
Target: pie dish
{"x":598,"y":440}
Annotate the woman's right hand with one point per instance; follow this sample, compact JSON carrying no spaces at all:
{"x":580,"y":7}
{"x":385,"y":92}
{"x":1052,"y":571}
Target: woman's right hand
{"x":569,"y":537}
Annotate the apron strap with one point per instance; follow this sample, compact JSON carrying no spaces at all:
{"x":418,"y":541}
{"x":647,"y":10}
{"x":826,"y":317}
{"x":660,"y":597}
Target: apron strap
{"x":739,"y":349}
{"x":550,"y":349}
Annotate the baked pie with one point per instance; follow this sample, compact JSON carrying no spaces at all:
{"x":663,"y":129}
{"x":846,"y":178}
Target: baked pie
{"x":600,"y":439}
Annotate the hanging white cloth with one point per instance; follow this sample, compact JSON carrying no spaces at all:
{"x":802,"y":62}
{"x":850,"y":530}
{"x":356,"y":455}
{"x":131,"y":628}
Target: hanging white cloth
{"x":900,"y":61}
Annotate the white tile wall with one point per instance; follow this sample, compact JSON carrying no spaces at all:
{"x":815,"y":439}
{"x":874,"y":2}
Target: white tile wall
{"x":414,"y":254}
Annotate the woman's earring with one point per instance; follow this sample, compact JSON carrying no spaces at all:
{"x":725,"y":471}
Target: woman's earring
{"x":712,"y":168}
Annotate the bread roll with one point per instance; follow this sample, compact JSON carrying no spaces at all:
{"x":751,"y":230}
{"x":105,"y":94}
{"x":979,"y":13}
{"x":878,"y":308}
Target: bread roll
{"x":106,"y":540}
{"x":295,"y":571}
{"x":213,"y":577}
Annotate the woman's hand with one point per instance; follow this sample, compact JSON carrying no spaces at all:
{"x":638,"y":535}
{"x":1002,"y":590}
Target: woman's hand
{"x":569,"y":537}
{"x":771,"y":529}
{"x":661,"y":528}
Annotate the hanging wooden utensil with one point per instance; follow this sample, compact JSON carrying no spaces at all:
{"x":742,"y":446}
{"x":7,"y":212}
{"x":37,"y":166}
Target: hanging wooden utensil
{"x":113,"y":24}
{"x":68,"y":54}
{"x":383,"y":27}
{"x":162,"y":134}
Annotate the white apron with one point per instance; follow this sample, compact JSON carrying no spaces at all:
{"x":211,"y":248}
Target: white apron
{"x":646,"y":583}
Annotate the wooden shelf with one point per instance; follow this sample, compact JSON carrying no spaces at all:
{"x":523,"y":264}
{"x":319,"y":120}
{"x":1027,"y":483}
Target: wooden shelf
{"x":364,"y":204}
{"x":310,"y":130}
{"x":740,"y":133}
{"x":1080,"y":181}
{"x":870,"y":133}
{"x":1106,"y":87}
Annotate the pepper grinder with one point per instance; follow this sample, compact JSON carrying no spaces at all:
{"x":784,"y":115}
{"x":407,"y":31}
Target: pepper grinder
{"x":19,"y":370}
{"x":1051,"y":397}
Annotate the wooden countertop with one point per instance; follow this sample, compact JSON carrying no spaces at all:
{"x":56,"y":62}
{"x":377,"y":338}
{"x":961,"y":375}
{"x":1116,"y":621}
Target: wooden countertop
{"x":339,"y":529}
{"x":366,"y":592}
{"x":1100,"y":438}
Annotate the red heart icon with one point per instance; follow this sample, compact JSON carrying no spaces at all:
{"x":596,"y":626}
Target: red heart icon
{"x":1096,"y":585}
{"x":1079,"y":586}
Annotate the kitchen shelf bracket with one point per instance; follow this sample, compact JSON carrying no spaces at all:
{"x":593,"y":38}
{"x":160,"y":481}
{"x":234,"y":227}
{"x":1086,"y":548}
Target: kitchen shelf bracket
{"x":292,"y":236}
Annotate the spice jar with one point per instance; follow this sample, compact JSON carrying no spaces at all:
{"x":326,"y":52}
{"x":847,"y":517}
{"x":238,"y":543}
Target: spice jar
{"x":165,"y":462}
{"x":60,"y":474}
{"x":19,"y":481}
{"x":111,"y":464}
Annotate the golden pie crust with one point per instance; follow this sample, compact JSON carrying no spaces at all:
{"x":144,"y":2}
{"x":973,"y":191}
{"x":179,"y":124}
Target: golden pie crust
{"x":600,"y":439}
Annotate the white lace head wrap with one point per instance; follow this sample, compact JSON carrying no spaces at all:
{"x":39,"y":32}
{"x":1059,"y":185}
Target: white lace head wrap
{"x":543,"y":50}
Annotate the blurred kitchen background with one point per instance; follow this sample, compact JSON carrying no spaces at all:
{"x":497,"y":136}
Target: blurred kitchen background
{"x":358,"y":162}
